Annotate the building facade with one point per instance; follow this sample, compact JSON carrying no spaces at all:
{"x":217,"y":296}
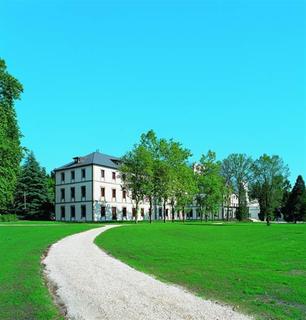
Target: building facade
{"x":90,"y":189}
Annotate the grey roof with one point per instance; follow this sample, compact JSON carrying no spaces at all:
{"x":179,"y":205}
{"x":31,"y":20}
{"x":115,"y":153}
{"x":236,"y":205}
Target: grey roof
{"x":96,"y":158}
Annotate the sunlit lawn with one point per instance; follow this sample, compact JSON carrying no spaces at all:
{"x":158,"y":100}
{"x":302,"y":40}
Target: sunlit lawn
{"x":23,"y":294}
{"x":258,"y":269}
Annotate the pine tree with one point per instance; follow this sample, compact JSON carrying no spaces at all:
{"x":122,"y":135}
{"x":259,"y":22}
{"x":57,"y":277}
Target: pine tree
{"x":295,"y":207}
{"x":10,"y":149}
{"x":31,"y":198}
{"x":242,"y":210}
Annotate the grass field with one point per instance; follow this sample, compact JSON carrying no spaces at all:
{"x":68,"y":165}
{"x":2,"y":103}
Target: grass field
{"x":260,"y":270}
{"x":23,"y":294}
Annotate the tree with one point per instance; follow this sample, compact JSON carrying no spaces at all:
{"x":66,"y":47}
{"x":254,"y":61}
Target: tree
{"x":135,"y":172}
{"x":172,"y":169}
{"x":237,"y":172}
{"x":31,"y":197}
{"x":295,"y":209}
{"x":210,"y":184}
{"x":150,"y":142}
{"x":186,"y":188}
{"x":10,"y":149}
{"x":270,"y":176}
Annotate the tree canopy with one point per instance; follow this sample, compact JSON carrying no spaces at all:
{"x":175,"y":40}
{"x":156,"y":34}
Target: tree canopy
{"x":10,"y":148}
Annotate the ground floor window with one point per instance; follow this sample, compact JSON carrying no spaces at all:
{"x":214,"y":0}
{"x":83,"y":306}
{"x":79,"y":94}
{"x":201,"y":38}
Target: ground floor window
{"x":72,"y":211}
{"x":134,"y":212}
{"x":103,"y":212}
{"x":160,"y":212}
{"x":114,"y":213}
{"x":83,"y":211}
{"x":62,"y":212}
{"x":142,"y":212}
{"x":124,"y":212}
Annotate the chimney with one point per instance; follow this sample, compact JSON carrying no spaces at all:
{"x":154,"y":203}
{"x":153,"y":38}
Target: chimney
{"x":77,"y":159}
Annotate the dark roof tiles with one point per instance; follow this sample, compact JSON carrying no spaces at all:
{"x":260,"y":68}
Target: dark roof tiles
{"x":96,"y":158}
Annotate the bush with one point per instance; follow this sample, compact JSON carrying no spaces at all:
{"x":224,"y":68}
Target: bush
{"x":8,"y":217}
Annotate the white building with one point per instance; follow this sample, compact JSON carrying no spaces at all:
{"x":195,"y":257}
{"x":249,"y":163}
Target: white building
{"x":89,"y":189}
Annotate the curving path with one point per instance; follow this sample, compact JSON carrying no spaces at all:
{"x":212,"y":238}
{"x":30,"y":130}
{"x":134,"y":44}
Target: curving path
{"x":93,"y":285}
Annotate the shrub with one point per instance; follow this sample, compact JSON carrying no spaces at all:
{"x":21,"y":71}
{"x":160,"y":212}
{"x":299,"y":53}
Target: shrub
{"x":8,"y":217}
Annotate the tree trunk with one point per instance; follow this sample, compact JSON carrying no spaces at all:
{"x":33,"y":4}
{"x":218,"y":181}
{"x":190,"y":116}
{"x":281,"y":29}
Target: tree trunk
{"x":164,"y":211}
{"x":173,"y":212}
{"x":136,"y":213}
{"x":183,"y":214}
{"x":150,"y":210}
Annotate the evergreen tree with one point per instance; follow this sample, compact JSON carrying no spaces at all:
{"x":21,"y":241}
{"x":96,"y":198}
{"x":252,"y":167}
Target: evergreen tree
{"x":31,"y":197}
{"x":242,"y":210}
{"x":10,"y":149}
{"x":296,"y":205}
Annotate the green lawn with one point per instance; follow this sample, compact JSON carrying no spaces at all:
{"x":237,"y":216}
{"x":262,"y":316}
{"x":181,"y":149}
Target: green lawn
{"x":23,"y":294}
{"x":261,"y":270}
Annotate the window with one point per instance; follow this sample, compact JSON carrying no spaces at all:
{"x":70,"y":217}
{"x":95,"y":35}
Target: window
{"x":102,"y":174}
{"x":134,"y":212}
{"x":83,"y":173}
{"x":72,"y":175}
{"x":72,"y":193}
{"x":114,"y":193}
{"x":72,"y":211}
{"x":198,"y":213}
{"x":114,"y":213}
{"x":114,"y":175}
{"x":124,"y":194}
{"x":62,"y":194}
{"x":103,"y":212}
{"x":160,"y":212}
{"x":142,"y":212}
{"x":63,"y":177}
{"x":124,"y":212}
{"x":62,"y":212}
{"x":167,"y":212}
{"x":83,"y":211}
{"x":83,"y":191}
{"x":102,"y":192}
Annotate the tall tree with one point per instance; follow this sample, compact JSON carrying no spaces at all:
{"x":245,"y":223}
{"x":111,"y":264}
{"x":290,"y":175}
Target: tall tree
{"x":210,"y":184}
{"x":150,"y":142}
{"x":10,"y":149}
{"x":295,"y":209}
{"x":135,"y":173}
{"x":31,"y":197}
{"x":237,"y":170}
{"x":270,"y":176}
{"x":172,"y":166}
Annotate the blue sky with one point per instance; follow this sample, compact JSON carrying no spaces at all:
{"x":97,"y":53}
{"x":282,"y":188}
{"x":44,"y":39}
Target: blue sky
{"x":222,"y":75}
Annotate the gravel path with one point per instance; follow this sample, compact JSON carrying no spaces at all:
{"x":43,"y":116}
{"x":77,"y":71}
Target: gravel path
{"x":93,"y":285}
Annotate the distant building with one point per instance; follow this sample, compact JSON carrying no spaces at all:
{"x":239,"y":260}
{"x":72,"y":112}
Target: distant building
{"x":90,"y":189}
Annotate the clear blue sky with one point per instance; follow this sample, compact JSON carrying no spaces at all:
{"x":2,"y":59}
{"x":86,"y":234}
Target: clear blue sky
{"x":222,"y":75}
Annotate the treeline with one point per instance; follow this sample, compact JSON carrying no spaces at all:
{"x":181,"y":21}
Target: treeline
{"x":26,"y":189}
{"x":159,"y":171}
